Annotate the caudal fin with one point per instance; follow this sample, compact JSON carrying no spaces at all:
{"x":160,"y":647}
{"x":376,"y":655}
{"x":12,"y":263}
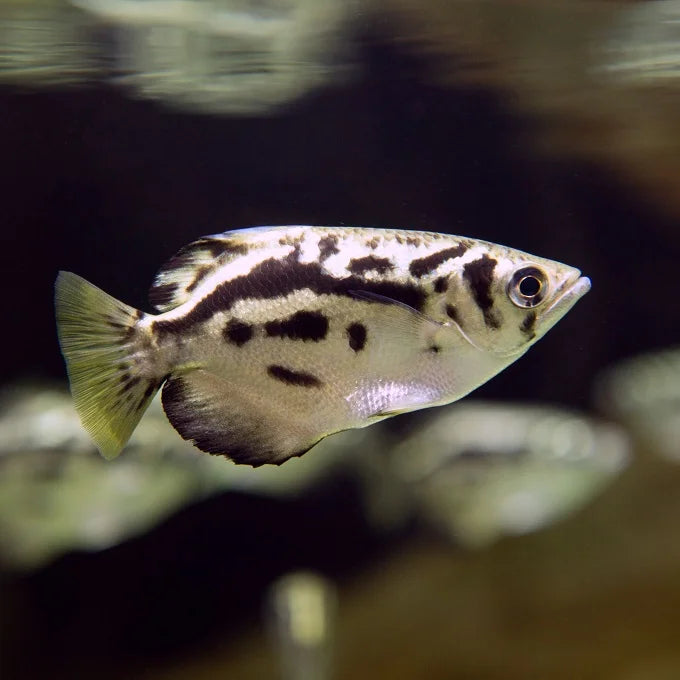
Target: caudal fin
{"x":98,"y":340}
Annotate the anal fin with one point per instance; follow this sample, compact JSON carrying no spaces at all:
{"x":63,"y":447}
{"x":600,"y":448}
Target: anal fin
{"x":223,"y":419}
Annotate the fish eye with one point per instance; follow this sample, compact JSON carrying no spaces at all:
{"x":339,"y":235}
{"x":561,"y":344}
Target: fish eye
{"x":528,"y":287}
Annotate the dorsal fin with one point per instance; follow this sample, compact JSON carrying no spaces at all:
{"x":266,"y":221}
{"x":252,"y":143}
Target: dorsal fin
{"x":182,"y":274}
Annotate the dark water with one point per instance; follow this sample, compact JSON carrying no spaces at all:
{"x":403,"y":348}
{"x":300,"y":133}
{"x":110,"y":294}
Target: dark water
{"x":103,"y":177}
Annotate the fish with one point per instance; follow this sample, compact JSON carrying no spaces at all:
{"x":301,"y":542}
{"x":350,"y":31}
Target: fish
{"x":268,"y":339}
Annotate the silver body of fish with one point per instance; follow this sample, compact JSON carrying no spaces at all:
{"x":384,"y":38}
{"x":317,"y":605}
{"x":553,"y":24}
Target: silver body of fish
{"x":271,"y":338}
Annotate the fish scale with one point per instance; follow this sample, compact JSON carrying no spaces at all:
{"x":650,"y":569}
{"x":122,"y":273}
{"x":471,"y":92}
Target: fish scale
{"x":269,"y":339}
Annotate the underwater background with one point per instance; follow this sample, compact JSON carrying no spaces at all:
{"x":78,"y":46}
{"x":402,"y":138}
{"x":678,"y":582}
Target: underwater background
{"x":424,"y":547}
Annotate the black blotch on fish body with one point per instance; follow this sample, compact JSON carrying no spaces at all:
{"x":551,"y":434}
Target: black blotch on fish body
{"x":356,"y":332}
{"x":441,"y":285}
{"x":289,"y":377}
{"x":302,"y":325}
{"x":328,"y":245}
{"x":479,"y":276}
{"x":368,"y":263}
{"x":237,"y":332}
{"x":434,"y":349}
{"x":161,"y":295}
{"x":278,"y":277}
{"x":529,"y":324}
{"x":425,"y":265}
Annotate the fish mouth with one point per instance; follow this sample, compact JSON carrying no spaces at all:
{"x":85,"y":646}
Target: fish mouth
{"x":566,"y":295}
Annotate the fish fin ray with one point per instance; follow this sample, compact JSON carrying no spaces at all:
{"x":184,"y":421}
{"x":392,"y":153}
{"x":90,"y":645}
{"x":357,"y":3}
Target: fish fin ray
{"x":223,"y":419}
{"x":96,"y":335}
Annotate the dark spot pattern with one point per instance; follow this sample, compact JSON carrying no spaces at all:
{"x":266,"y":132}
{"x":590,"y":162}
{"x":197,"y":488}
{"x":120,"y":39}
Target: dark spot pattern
{"x":360,"y":265}
{"x":237,"y":332}
{"x":298,"y":378}
{"x":425,"y":265}
{"x":479,"y":277}
{"x":441,"y":285}
{"x":328,"y":245}
{"x":356,"y":332}
{"x":278,"y":277}
{"x":302,"y":325}
{"x":373,"y":243}
{"x":435,"y":349}
{"x":529,"y":324}
{"x":413,"y":241}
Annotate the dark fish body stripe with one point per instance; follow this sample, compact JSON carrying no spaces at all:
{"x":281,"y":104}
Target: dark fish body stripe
{"x":370,"y":263}
{"x":289,"y":377}
{"x":479,"y":276}
{"x":278,"y":277}
{"x":302,"y":325}
{"x":425,"y":265}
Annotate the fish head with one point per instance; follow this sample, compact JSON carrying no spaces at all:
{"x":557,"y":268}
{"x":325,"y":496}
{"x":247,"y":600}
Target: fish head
{"x":505,"y":303}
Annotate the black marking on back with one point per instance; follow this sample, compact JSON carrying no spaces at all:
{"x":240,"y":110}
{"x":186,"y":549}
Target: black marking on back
{"x":356,"y":332}
{"x":441,"y":285}
{"x":360,"y":265}
{"x":302,"y":325}
{"x":328,"y":245}
{"x":434,"y":349}
{"x":529,"y":324}
{"x":238,"y":332}
{"x":277,"y":277}
{"x":160,"y":296}
{"x":479,"y":276}
{"x":289,"y":377}
{"x":425,"y":265}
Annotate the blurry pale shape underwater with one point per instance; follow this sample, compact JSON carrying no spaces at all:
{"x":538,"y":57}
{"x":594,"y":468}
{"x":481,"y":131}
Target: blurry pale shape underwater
{"x":483,"y":470}
{"x":217,"y":57}
{"x":301,"y":613}
{"x":478,"y":470}
{"x":643,"y":393}
{"x":57,"y":494}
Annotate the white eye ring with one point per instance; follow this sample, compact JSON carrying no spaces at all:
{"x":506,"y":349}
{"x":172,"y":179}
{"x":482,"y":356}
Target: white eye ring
{"x":528,"y":287}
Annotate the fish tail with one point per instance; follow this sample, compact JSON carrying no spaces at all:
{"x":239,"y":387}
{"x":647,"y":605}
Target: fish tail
{"x":110,"y":371}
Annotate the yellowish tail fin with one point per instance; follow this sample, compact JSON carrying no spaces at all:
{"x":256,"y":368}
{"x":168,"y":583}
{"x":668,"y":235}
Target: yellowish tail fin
{"x":98,"y":339}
